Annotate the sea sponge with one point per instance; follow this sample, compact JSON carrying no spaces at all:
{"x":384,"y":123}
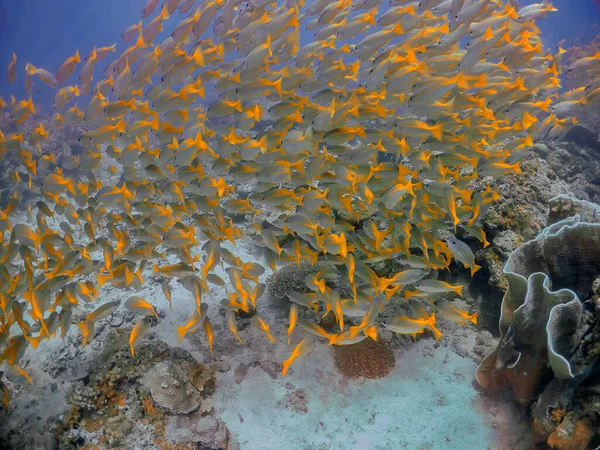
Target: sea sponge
{"x":368,"y":358}
{"x":574,"y":433}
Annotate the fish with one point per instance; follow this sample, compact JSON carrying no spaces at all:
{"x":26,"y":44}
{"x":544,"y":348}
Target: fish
{"x":67,"y":68}
{"x":195,"y":321}
{"x":462,"y":252}
{"x":11,"y":73}
{"x":451,"y":312}
{"x":303,"y":347}
{"x":131,"y":31}
{"x":258,"y":323}
{"x":137,"y":332}
{"x":206,"y":325}
{"x":437,"y":287}
{"x":231,"y":325}
{"x":167,"y":291}
{"x":293,"y":320}
{"x":408,"y":325}
{"x":178,"y":270}
{"x":149,"y":8}
{"x":356,"y":140}
{"x":5,"y":394}
{"x":138,"y":305}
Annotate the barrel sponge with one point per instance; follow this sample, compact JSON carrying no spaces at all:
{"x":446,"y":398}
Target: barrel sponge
{"x":541,"y":311}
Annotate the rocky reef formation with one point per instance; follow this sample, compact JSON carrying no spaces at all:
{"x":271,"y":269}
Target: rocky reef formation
{"x":165,"y":401}
{"x":550,"y":328}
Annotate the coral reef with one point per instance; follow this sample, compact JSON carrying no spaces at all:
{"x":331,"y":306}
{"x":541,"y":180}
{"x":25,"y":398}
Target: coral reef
{"x":170,"y":388}
{"x":546,"y":349}
{"x":574,"y":79}
{"x":576,"y":160}
{"x":291,"y":277}
{"x":564,"y":206}
{"x":147,"y":402}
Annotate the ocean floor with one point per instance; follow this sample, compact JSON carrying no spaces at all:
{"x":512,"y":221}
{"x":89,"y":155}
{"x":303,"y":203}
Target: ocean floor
{"x":427,"y":401}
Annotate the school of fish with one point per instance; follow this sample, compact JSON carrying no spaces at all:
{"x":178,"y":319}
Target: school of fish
{"x":366,"y":141}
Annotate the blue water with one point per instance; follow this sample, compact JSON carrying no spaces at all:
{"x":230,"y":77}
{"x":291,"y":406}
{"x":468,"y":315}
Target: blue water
{"x":46,"y":32}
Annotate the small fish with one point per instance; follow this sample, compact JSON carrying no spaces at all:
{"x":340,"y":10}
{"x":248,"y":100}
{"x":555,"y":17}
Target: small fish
{"x":261,"y":325}
{"x":167,"y":291}
{"x":230,"y":318}
{"x":293,"y":320}
{"x":131,"y":31}
{"x":179,"y":270}
{"x":437,"y":287}
{"x":408,"y":325}
{"x":138,"y":305}
{"x":87,"y":331}
{"x":12,"y":69}
{"x":463,"y":253}
{"x":451,"y":312}
{"x":67,"y":68}
{"x":209,"y":334}
{"x":103,"y":311}
{"x":137,"y":332}
{"x":149,"y":8}
{"x":4,"y":394}
{"x":195,"y":321}
{"x":17,"y":375}
{"x":303,"y":347}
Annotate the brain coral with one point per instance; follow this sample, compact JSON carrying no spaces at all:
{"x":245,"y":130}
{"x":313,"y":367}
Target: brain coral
{"x":171,"y":389}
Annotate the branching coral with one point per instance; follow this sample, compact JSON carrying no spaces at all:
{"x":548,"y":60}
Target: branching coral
{"x":290,"y":278}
